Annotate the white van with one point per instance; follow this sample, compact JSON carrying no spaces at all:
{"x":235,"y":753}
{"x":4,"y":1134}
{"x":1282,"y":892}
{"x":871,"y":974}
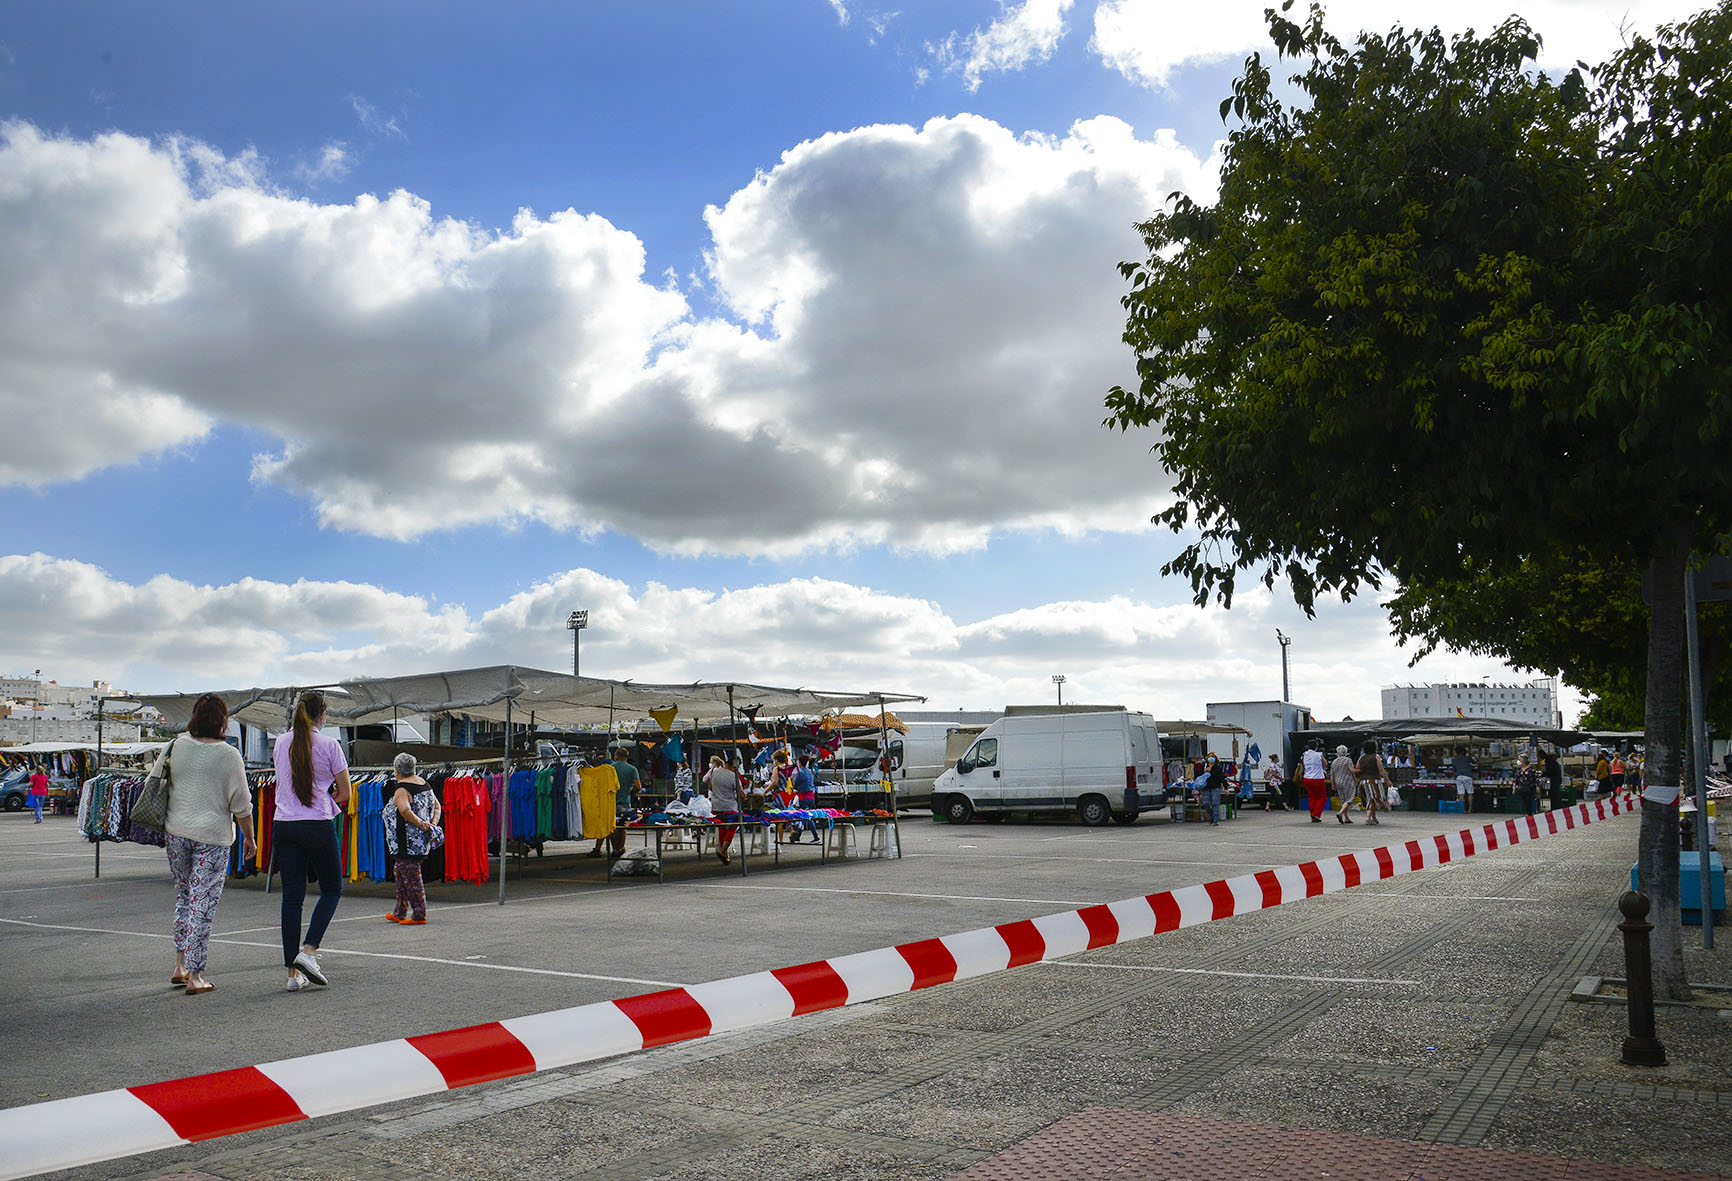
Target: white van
{"x":1103,"y":766}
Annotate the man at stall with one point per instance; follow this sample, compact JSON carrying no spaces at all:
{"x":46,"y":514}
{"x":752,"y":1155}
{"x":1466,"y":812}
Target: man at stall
{"x":623,"y":798}
{"x":1462,"y":766}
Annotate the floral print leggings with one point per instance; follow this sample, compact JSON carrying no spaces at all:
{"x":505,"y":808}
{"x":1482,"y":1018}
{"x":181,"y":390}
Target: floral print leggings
{"x":199,"y":871}
{"x":411,"y":893}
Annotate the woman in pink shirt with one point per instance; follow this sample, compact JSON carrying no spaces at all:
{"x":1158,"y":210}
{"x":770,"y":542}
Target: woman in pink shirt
{"x":312,"y":783}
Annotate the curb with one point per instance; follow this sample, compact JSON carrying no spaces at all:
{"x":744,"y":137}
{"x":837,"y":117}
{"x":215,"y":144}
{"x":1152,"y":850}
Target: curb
{"x":85,"y":1129}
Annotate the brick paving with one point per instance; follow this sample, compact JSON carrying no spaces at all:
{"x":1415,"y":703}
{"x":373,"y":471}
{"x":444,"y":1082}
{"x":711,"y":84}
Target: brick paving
{"x":1103,"y":1142}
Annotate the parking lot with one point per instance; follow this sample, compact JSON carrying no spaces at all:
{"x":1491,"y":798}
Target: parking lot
{"x":86,"y":962}
{"x":1427,"y":1014}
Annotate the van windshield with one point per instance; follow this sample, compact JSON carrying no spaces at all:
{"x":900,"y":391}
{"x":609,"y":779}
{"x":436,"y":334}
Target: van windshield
{"x":984,"y":753}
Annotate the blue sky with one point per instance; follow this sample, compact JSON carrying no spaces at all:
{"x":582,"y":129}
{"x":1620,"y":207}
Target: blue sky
{"x":361,"y":339}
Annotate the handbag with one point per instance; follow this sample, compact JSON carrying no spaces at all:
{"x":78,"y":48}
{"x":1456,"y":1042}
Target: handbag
{"x":150,"y":810}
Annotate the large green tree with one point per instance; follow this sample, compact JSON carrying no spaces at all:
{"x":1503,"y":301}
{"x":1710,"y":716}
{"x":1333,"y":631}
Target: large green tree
{"x":1447,"y":313}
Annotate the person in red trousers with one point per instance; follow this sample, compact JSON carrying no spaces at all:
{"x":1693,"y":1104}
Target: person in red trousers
{"x":1315,"y":776}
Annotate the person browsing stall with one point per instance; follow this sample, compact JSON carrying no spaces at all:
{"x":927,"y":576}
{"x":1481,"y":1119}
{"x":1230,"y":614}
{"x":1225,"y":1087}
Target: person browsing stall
{"x":415,"y":829}
{"x":312,"y":786}
{"x":38,"y":789}
{"x":724,"y":790}
{"x":207,"y":797}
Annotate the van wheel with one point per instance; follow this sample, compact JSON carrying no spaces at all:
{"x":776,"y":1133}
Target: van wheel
{"x":958,"y":810}
{"x":1094,"y":810}
{"x":1124,"y":818}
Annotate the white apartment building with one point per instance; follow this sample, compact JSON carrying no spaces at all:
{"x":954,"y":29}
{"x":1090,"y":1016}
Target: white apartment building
{"x":1534,"y":702}
{"x":17,"y":730}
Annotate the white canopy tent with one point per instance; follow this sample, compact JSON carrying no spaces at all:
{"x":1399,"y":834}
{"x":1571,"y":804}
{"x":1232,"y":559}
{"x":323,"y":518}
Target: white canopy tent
{"x":507,"y":693}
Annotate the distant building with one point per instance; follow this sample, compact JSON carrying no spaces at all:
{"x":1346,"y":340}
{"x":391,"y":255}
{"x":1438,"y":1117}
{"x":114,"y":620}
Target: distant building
{"x":1535,"y":702}
{"x":18,"y":730}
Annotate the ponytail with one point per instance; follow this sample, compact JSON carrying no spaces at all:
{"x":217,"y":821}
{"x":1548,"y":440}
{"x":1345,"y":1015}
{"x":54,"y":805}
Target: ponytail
{"x":309,"y":709}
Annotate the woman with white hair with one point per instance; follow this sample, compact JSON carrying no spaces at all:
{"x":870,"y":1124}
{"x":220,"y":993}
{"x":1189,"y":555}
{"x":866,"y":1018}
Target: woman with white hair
{"x":411,"y":832}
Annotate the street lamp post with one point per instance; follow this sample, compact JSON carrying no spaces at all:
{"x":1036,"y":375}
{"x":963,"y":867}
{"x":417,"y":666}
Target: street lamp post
{"x":37,"y":711}
{"x":1058,"y":679}
{"x":1286,"y":642}
{"x":576,"y":621}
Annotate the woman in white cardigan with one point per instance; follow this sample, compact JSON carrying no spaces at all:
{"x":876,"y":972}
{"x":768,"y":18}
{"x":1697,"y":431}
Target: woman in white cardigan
{"x":207,"y":797}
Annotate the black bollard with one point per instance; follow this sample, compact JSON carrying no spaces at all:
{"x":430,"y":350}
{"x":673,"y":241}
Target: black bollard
{"x":1641,"y":1048}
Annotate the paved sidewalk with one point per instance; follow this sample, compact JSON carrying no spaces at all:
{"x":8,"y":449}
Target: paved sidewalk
{"x":1416,"y":1027}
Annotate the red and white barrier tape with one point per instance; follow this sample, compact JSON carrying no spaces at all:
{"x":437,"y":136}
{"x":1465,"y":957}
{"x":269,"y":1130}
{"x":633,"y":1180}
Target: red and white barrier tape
{"x":64,"y":1133}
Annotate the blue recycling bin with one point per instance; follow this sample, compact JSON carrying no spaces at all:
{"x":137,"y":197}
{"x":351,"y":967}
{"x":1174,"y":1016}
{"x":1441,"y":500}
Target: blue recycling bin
{"x":1690,"y":886}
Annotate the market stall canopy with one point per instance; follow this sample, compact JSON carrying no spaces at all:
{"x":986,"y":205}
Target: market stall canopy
{"x":555,"y":698}
{"x":1435,"y":729}
{"x":884,"y":721}
{"x":1175,"y":728}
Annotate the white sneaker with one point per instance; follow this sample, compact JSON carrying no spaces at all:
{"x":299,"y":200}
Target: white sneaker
{"x":297,"y":982}
{"x":308,"y":963}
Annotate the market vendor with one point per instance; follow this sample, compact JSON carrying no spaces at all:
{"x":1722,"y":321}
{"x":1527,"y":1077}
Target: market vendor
{"x":625,"y":798}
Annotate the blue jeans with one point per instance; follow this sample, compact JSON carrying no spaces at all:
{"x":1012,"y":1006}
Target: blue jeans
{"x":36,"y":803}
{"x":301,"y":844}
{"x":1211,"y":801}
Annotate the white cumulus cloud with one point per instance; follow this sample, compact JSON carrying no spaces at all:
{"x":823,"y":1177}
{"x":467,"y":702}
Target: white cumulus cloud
{"x":78,"y":622}
{"x":1147,"y":40}
{"x":921,"y":324}
{"x":1025,"y":33}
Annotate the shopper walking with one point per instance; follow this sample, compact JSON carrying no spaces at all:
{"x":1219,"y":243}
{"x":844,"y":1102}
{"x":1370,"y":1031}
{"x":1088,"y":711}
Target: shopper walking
{"x":207,"y":797}
{"x":312,"y":783}
{"x":1372,"y":778}
{"x":1214,"y":781}
{"x":724,"y":785}
{"x":1344,"y":784}
{"x":1602,"y":773}
{"x":38,"y":789}
{"x":1275,"y":786}
{"x":1616,"y":772}
{"x":1316,"y":779}
{"x":412,"y":831}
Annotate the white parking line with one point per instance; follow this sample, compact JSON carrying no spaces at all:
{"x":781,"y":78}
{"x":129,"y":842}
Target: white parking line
{"x":1203,"y":863}
{"x":379,"y":955}
{"x":896,"y":894}
{"x":1218,"y":972}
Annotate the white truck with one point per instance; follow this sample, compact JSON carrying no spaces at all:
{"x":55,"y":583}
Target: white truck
{"x":1103,"y":766}
{"x":1270,"y":723}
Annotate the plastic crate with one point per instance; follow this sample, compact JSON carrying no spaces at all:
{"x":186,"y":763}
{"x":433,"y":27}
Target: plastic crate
{"x":1451,"y":806}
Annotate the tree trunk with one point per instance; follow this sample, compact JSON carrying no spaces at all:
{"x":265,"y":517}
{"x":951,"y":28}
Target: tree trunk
{"x":1658,"y":845}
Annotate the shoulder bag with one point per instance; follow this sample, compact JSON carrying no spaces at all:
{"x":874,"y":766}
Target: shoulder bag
{"x":150,"y":810}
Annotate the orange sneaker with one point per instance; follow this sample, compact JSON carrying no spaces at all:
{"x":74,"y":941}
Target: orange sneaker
{"x":413,"y":922}
{"x":393,"y":917}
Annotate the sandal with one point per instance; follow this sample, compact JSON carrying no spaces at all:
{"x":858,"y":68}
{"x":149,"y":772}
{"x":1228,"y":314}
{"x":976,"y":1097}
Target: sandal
{"x":178,"y":980}
{"x":196,"y":989}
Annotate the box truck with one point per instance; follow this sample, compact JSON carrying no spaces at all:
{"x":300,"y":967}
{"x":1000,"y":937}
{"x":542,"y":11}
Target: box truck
{"x":1271,"y":724}
{"x":1102,"y":766}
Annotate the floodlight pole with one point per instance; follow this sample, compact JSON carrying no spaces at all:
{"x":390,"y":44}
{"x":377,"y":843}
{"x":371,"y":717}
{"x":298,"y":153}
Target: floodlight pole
{"x":1059,"y":679}
{"x":576,"y":622}
{"x":1286,"y":642}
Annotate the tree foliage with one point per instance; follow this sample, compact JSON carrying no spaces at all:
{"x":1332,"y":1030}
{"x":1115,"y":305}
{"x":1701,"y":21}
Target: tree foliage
{"x":1447,"y":316}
